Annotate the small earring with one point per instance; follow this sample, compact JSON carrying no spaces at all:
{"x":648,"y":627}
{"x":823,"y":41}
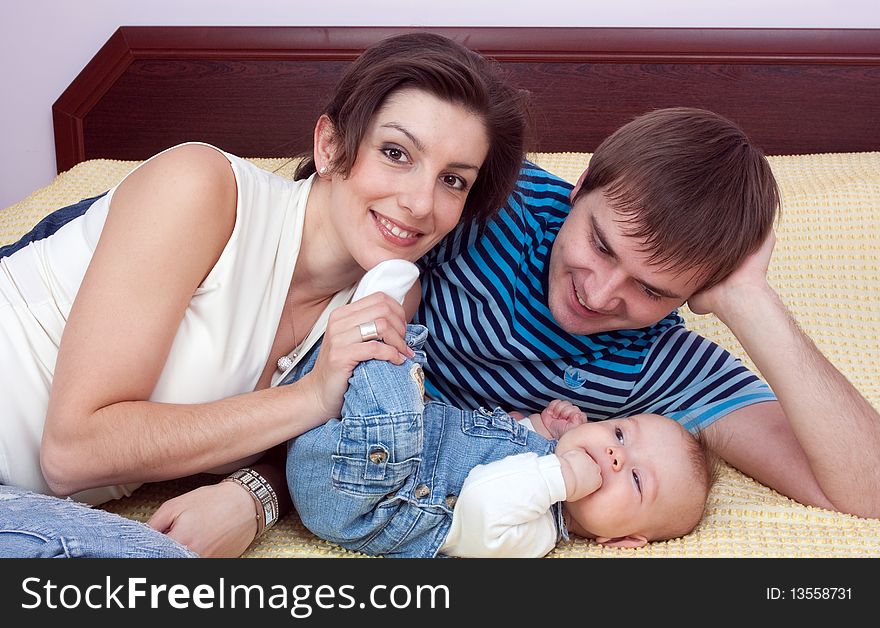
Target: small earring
{"x":322,"y":171}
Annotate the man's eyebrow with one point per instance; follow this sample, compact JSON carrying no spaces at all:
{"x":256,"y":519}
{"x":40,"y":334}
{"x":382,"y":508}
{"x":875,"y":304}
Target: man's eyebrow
{"x":421,"y":147}
{"x":600,"y":236}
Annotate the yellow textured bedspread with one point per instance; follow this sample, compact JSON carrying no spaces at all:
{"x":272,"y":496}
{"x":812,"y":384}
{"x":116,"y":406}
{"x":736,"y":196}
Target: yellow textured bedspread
{"x":826,"y":268}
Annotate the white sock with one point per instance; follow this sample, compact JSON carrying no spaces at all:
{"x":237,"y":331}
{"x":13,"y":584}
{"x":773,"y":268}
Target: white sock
{"x":394,"y":277}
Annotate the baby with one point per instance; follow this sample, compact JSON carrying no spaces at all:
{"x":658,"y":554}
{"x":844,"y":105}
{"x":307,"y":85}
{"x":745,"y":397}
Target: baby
{"x":398,"y":476}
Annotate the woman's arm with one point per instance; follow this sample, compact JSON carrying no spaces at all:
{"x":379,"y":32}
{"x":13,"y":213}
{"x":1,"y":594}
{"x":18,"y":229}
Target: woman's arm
{"x":219,"y":520}
{"x":100,"y":428}
{"x":167,"y":225}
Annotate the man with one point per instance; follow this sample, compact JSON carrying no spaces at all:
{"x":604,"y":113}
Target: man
{"x":568,"y":293}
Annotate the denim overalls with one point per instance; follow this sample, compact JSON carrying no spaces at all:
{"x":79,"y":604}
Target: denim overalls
{"x":383,"y":480}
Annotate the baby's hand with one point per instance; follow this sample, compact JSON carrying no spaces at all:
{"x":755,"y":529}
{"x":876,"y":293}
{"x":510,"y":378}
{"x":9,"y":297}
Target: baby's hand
{"x":560,"y":416}
{"x":581,"y":474}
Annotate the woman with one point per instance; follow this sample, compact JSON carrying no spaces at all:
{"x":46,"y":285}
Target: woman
{"x":251,"y":269}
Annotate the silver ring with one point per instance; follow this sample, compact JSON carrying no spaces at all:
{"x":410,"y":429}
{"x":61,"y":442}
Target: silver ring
{"x":368,"y":331}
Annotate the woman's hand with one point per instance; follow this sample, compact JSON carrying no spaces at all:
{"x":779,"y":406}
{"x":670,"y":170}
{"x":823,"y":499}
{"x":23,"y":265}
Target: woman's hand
{"x":215,"y":521}
{"x":343,"y":348}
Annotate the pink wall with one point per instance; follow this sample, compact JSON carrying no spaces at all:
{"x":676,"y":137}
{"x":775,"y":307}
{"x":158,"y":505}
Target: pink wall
{"x":45,"y":43}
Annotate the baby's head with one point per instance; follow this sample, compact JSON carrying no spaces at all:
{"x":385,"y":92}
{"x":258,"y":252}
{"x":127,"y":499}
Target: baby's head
{"x":655,"y":480}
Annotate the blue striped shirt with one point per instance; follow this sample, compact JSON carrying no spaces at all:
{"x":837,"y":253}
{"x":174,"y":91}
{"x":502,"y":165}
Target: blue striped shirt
{"x":493,"y":341}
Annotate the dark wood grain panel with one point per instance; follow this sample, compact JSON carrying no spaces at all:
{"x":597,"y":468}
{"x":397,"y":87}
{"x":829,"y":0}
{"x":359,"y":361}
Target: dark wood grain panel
{"x":256,"y":91}
{"x":247,"y":107}
{"x":785,"y":109}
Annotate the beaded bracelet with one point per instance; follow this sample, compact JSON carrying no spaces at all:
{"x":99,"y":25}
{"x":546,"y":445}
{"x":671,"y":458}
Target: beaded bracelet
{"x":263,"y":495}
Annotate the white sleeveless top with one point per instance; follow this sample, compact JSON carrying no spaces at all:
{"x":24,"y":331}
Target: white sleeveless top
{"x":221,"y":346}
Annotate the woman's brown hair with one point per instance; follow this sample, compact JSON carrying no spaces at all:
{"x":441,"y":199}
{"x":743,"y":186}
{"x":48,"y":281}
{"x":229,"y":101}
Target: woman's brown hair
{"x":691,"y":186}
{"x":451,"y":72}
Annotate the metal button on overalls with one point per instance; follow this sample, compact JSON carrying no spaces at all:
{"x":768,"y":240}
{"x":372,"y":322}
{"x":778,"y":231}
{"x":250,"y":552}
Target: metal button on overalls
{"x":422,"y":491}
{"x":378,"y":456}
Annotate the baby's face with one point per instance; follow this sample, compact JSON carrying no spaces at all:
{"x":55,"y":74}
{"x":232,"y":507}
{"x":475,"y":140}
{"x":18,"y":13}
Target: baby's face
{"x":648,"y":478}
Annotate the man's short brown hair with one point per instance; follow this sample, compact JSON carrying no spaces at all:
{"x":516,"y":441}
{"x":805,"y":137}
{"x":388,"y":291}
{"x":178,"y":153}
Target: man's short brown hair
{"x":691,"y":185}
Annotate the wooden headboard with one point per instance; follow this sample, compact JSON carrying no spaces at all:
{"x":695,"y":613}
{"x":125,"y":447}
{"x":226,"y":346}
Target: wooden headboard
{"x":257,"y":91}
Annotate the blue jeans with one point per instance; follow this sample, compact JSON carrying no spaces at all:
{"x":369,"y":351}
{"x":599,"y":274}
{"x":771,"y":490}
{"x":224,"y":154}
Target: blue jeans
{"x":383,"y":479}
{"x":41,"y":526}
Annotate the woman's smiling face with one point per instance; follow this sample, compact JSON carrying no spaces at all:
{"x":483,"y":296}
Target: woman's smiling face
{"x":407,"y":188}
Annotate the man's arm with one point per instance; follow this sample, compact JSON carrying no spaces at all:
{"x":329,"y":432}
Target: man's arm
{"x":758,"y":440}
{"x":821,"y":443}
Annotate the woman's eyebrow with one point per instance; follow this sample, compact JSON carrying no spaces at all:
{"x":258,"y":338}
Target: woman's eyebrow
{"x":412,"y":138}
{"x":421,"y":147}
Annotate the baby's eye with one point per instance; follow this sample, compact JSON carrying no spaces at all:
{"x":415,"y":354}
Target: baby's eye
{"x":637,"y":481}
{"x":619,"y":434}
